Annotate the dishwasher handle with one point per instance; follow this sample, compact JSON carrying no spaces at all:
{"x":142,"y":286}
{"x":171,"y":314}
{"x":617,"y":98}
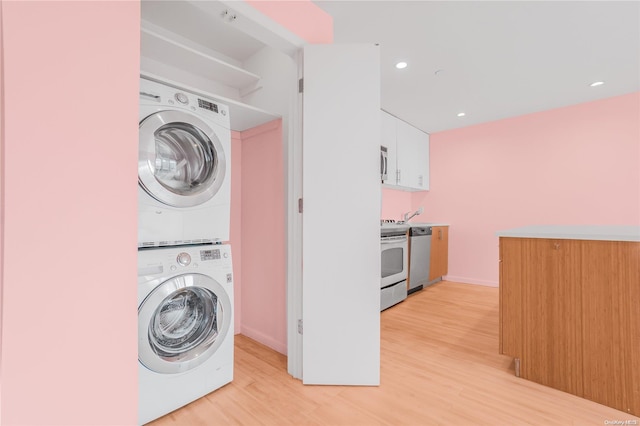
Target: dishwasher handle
{"x":419,"y":231}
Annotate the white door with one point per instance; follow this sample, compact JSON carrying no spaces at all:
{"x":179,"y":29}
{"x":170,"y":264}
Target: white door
{"x":341,"y":218}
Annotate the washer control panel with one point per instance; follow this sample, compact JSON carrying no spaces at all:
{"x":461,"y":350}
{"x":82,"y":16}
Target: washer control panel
{"x":158,"y":261}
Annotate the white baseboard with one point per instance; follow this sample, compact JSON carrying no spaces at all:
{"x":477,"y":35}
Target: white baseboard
{"x":264,"y":339}
{"x":466,"y":280}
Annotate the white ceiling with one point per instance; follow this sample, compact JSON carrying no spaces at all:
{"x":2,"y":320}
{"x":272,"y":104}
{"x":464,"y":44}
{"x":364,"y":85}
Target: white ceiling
{"x":496,"y":59}
{"x":205,"y":27}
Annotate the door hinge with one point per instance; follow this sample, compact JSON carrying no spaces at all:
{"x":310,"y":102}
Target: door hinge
{"x":300,"y":85}
{"x":300,"y":205}
{"x":299,"y":326}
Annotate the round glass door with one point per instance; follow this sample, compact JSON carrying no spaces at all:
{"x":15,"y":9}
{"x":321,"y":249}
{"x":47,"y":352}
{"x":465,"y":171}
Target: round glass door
{"x":182,"y":322}
{"x":181,"y":161}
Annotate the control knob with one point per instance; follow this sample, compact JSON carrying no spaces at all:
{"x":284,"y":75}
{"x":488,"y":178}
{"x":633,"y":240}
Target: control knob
{"x":184,"y":259}
{"x":182,"y":98}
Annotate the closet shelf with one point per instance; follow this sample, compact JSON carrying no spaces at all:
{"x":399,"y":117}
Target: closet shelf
{"x":164,"y":49}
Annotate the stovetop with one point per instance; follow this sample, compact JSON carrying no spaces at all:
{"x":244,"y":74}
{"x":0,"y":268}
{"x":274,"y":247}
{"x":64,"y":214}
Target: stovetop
{"x":390,"y":224}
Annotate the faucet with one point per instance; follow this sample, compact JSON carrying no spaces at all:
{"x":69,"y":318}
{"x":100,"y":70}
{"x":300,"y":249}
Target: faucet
{"x":416,"y":213}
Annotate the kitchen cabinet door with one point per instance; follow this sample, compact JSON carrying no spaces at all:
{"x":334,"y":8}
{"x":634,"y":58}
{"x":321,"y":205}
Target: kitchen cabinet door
{"x":610,"y":326}
{"x":388,"y":134}
{"x":568,"y":312}
{"x":551,"y":300}
{"x":341,"y":257}
{"x":439,"y":261}
{"x":512,"y":257}
{"x":412,"y":157}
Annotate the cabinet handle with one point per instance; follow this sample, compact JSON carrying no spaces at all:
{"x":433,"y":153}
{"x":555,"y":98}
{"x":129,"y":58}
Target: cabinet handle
{"x":439,"y":234}
{"x":398,"y":176}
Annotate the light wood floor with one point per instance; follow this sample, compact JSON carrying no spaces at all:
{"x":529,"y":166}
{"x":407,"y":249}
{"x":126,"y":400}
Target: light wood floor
{"x":440,"y":366}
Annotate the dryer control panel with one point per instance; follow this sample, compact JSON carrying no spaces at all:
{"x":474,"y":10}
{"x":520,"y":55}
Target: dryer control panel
{"x":210,"y":254}
{"x":163,"y":95}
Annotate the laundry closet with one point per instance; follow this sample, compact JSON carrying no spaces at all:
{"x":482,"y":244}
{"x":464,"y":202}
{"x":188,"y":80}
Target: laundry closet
{"x":273,"y":82}
{"x":197,"y":46}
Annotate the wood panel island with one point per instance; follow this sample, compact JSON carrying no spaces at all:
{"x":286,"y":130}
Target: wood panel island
{"x":570,"y":309}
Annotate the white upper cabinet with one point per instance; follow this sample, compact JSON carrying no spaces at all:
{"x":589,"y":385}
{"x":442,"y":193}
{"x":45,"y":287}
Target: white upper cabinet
{"x":408,"y":155}
{"x":412,"y":159}
{"x":388,"y":137}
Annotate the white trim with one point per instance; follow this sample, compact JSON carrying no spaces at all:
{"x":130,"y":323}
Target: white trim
{"x":293,"y":152}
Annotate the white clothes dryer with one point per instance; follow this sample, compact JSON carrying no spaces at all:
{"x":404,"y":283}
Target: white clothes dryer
{"x":185,"y":325}
{"x":184,"y":167}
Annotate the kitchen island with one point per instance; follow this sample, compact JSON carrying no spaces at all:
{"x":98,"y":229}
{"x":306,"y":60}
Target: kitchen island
{"x":570,"y":309}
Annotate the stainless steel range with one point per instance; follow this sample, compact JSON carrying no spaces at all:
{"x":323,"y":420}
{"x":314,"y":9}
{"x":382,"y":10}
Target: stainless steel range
{"x":394,"y":245}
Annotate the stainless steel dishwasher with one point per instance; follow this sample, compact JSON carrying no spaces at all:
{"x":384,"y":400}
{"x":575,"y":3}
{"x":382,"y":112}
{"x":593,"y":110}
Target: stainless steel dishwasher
{"x":419,"y":256}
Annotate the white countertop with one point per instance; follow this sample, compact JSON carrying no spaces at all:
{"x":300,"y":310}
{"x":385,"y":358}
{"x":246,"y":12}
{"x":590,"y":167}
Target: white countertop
{"x":427,"y":224}
{"x":576,"y":232}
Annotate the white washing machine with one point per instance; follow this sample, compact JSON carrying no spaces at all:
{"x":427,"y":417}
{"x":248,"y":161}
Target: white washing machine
{"x":185,"y":325}
{"x":184,"y":167}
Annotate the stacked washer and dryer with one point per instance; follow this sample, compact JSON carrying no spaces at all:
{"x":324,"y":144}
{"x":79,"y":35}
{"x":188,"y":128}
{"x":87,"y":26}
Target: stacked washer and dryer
{"x":185,"y":277}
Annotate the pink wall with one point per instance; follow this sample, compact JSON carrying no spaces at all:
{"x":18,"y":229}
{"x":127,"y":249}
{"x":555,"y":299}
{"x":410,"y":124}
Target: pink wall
{"x":69,"y":340}
{"x":2,"y":222}
{"x":69,"y":58}
{"x":301,"y":17}
{"x":573,"y":165}
{"x":263,"y":236}
{"x":395,"y":204}
{"x":235,"y":236}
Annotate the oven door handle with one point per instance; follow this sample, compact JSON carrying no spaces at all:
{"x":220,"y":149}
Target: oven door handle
{"x":392,"y":240}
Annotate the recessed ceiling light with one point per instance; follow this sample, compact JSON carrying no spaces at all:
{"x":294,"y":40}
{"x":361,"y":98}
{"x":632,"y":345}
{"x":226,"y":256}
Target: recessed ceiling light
{"x":401,"y":65}
{"x":597,"y":83}
{"x":461,"y":114}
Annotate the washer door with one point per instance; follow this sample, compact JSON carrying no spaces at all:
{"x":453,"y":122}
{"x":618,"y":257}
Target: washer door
{"x":182,"y":323}
{"x":181,"y":161}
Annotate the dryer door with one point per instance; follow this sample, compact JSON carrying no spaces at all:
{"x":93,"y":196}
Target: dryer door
{"x":182,"y":323}
{"x":181,"y":161}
